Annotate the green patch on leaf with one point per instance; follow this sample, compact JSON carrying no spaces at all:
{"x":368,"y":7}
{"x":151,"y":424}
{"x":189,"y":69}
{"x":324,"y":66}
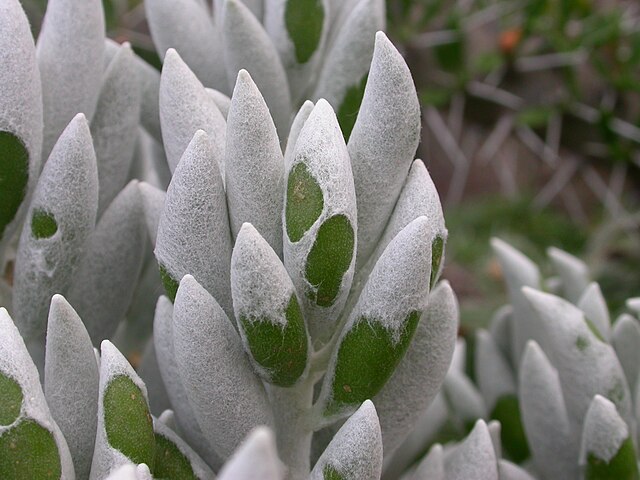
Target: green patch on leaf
{"x":170,"y":463}
{"x":127,"y":420}
{"x":616,"y":393}
{"x":170,"y":284}
{"x":582,"y":343}
{"x":594,"y":330}
{"x":330,"y":473}
{"x":622,"y":466}
{"x":14,"y":176}
{"x":28,"y":451}
{"x":304,"y":20}
{"x":304,"y":202}
{"x":514,"y":439}
{"x":350,"y":106}
{"x":437,"y":249}
{"x":367,"y":357}
{"x":281,"y":350}
{"x":43,"y":224}
{"x":10,"y":400}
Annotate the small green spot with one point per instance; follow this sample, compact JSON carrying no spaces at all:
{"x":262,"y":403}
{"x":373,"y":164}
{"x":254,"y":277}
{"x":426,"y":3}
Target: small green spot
{"x":28,"y":451}
{"x":127,"y":420}
{"x":616,"y":393}
{"x":367,"y":357}
{"x":437,"y":249}
{"x":622,"y":466}
{"x":10,"y":400}
{"x":14,"y":175}
{"x":170,"y":285}
{"x":170,"y":463}
{"x":582,"y":343}
{"x":594,"y":330}
{"x":350,"y":106}
{"x":330,"y":473}
{"x":512,"y":434}
{"x":304,"y":20}
{"x":43,"y":225}
{"x":282,"y":350}
{"x":329,"y":259}
{"x":304,"y":202}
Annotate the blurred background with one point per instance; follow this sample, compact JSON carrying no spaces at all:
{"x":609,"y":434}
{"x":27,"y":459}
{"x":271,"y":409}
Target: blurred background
{"x":531,"y":129}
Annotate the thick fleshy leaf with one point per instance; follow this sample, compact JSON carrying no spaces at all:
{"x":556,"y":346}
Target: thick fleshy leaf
{"x":247,"y":45}
{"x":31,"y":444}
{"x":256,"y":457}
{"x":431,"y":466}
{"x":421,"y":372}
{"x":193,"y":233}
{"x":382,"y":324}
{"x":185,"y":108}
{"x":511,"y":471}
{"x":130,"y":472}
{"x":463,"y":399}
{"x":222,"y":101}
{"x":113,"y":126}
{"x":573,"y":273}
{"x":149,"y":371}
{"x":71,"y":382}
{"x":20,"y":117}
{"x":70,"y":53}
{"x":626,"y":342}
{"x":320,"y":221}
{"x":298,"y":122}
{"x":61,"y":217}
{"x":226,"y":396}
{"x":595,"y":309}
{"x":355,"y":451}
{"x":269,"y":318}
{"x":474,"y":457}
{"x":153,"y":202}
{"x":149,"y":79}
{"x":254,"y":164}
{"x":199,"y":44}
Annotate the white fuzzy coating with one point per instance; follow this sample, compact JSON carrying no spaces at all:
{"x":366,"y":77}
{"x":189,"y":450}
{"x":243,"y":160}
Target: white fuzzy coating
{"x":186,"y":26}
{"x":168,"y":417}
{"x":256,"y":457}
{"x":459,"y":360}
{"x":113,"y":364}
{"x":573,"y":273}
{"x":227,"y":397}
{"x":554,"y":446}
{"x":633,"y":304}
{"x":184,"y":416}
{"x":431,"y":467}
{"x":586,"y":365}
{"x":70,"y":53}
{"x":519,"y":271}
{"x":254,"y":166}
{"x":420,"y":374}
{"x":348,"y":60}
{"x":113,"y":126}
{"x":150,"y":162}
{"x":222,"y":101}
{"x":16,"y":363}
{"x":626,"y":342}
{"x":383,"y":141}
{"x":603,"y":432}
{"x":500,"y":329}
{"x":511,"y":471}
{"x":494,"y":375}
{"x":104,"y":282}
{"x":247,"y":45}
{"x":153,"y":200}
{"x":71,"y":382}
{"x":149,"y":79}
{"x":495,"y":431}
{"x":356,"y":450}
{"x":595,"y":309}
{"x":463,"y":398}
{"x":296,"y":126}
{"x":67,"y":189}
{"x":321,"y":148}
{"x":474,"y":457}
{"x":201,"y":470}
{"x":186,"y":107}
{"x":193,"y":234}
{"x":21,"y":99}
{"x":149,"y":371}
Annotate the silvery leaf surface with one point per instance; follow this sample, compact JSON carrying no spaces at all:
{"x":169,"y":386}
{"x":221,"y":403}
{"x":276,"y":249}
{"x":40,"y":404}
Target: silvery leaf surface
{"x":71,"y":382}
{"x":383,"y":141}
{"x":511,"y":471}
{"x":626,"y":342}
{"x":474,"y":457}
{"x":254,"y":164}
{"x":463,"y":399}
{"x":227,"y":398}
{"x":149,"y":371}
{"x":70,"y":51}
{"x":500,"y":329}
{"x":193,"y":234}
{"x":256,"y":457}
{"x":573,"y":273}
{"x":296,"y":126}
{"x":420,"y":374}
{"x":355,"y":451}
{"x":153,"y":200}
{"x":319,"y":221}
{"x":104,"y":282}
{"x":113,"y":126}
{"x":595,"y":309}
{"x":247,"y":46}
{"x":130,"y":472}
{"x":20,"y":118}
{"x":31,"y":444}
{"x":222,"y":101}
{"x":431,"y":467}
{"x":149,"y":79}
{"x":185,"y":108}
{"x":60,"y":219}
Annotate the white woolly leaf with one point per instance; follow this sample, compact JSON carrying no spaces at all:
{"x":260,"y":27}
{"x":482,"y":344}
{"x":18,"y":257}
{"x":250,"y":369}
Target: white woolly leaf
{"x":626,"y":342}
{"x":298,"y":122}
{"x":431,"y":466}
{"x":595,"y":309}
{"x":463,"y":399}
{"x":149,"y":79}
{"x":474,"y":457}
{"x":573,"y":273}
{"x":633,"y":304}
{"x":222,"y":101}
{"x":494,"y":376}
{"x":153,"y":203}
{"x":511,"y":471}
{"x":255,"y":458}
{"x":149,"y":371}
